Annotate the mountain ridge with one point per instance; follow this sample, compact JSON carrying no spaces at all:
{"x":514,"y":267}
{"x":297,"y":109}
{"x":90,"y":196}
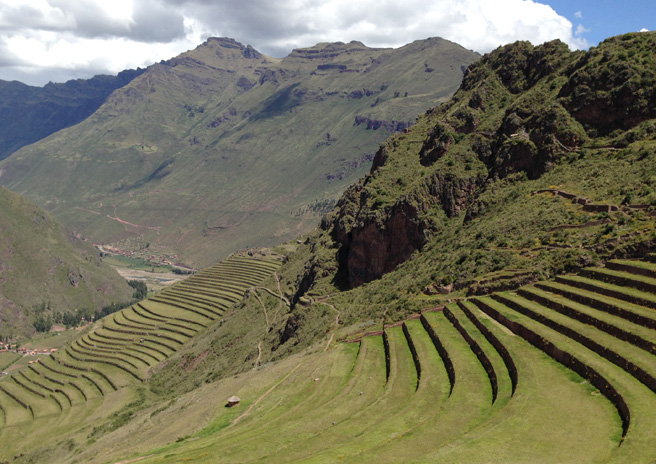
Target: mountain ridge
{"x":214,"y":136}
{"x":29,"y":114}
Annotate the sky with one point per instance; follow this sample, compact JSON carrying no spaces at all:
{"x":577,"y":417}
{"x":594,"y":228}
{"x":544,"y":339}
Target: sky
{"x":45,"y":41}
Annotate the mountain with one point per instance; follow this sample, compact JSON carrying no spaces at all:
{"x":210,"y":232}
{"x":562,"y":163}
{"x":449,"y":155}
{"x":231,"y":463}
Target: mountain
{"x":222,"y":147}
{"x":45,"y":269}
{"x":432,"y":316}
{"x":543,"y":162}
{"x":29,"y":114}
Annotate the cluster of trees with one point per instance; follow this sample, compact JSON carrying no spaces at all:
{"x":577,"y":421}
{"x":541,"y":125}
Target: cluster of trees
{"x":43,"y":321}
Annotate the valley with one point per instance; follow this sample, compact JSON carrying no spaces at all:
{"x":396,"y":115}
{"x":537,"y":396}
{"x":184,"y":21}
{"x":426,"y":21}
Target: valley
{"x":485,"y":291}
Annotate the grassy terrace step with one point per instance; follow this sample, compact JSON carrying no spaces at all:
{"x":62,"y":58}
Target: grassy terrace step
{"x":187,"y":307}
{"x":634,"y":362}
{"x":245,"y":268}
{"x":644,"y":268}
{"x":467,"y":309}
{"x":130,"y":317}
{"x":626,"y":279}
{"x":629,"y":311}
{"x":233,"y":279}
{"x":631,"y":295}
{"x":101,"y":364}
{"x":16,"y":411}
{"x":55,"y":382}
{"x":120,"y":320}
{"x":176,"y":339}
{"x":153,"y":310}
{"x":218,"y":300}
{"x":585,"y":364}
{"x":146,"y":349}
{"x":195,"y":296}
{"x":114,"y":361}
{"x":216,"y":287}
{"x":622,"y":329}
{"x":123,"y":338}
{"x":144,"y":358}
{"x":232,"y":282}
{"x":475,"y":347}
{"x":40,"y":404}
{"x":82,"y":387}
{"x":217,"y":307}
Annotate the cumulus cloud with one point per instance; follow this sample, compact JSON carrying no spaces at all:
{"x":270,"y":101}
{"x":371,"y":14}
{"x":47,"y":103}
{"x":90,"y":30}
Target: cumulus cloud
{"x":43,"y":40}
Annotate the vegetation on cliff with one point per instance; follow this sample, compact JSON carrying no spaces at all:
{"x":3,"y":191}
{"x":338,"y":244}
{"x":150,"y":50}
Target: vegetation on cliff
{"x":468,"y":199}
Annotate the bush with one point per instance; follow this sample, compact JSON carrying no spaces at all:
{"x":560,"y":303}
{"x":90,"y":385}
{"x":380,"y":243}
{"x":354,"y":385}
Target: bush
{"x":42,"y":324}
{"x":140,"y":289}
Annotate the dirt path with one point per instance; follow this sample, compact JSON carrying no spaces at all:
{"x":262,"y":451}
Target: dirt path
{"x":266,"y":315}
{"x":259,"y":354}
{"x":332,"y":335}
{"x":265,"y":394}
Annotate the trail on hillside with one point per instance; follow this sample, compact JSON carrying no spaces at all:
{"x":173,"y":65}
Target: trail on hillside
{"x":265,"y":394}
{"x":332,"y":335}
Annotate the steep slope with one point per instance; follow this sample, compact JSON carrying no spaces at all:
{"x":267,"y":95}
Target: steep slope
{"x":510,"y":181}
{"x":44,"y":269}
{"x":223,"y":147}
{"x":520,"y":177}
{"x":29,"y":114}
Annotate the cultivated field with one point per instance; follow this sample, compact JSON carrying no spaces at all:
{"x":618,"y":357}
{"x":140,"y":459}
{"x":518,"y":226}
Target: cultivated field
{"x":561,"y":371}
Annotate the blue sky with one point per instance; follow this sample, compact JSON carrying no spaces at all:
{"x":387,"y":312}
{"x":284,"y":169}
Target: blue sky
{"x":57,"y":40}
{"x":607,"y":18}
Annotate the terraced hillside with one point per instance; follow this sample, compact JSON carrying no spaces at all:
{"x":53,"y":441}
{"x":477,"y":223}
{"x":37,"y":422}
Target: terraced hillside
{"x":102,"y":372}
{"x":552,"y":372}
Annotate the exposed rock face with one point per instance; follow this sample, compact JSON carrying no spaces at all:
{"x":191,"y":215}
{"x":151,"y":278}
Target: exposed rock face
{"x":520,"y":109}
{"x":380,"y":244}
{"x":375,"y":124}
{"x":372,"y":243}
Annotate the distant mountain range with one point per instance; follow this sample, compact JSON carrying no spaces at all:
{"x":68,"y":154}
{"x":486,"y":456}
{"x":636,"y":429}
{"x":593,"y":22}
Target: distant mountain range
{"x":29,"y":114}
{"x":223,"y":147}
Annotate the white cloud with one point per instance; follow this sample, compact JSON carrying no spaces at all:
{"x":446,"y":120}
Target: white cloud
{"x":43,"y":40}
{"x":580,"y":30}
{"x":644,"y":30}
{"x":578,"y":15}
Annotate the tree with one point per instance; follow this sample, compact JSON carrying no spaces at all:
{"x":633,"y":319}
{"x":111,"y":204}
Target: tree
{"x":140,"y":289}
{"x":42,"y":324}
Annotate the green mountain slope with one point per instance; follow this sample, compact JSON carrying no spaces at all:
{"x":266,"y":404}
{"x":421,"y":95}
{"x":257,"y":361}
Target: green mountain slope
{"x":28,"y":114}
{"x":510,"y":181}
{"x":44,"y":268}
{"x":222,"y":147}
{"x":388,"y":333}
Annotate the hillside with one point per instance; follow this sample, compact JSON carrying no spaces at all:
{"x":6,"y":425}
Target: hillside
{"x":44,"y":269}
{"x":29,"y":114}
{"x":222,"y":147}
{"x":486,"y":292}
{"x":526,"y":191}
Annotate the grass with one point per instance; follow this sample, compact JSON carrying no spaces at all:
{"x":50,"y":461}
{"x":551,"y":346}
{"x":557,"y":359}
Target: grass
{"x":340,"y":405}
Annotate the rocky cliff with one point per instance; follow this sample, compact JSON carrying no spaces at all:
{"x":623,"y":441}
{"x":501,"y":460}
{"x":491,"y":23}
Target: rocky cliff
{"x":520,"y":111}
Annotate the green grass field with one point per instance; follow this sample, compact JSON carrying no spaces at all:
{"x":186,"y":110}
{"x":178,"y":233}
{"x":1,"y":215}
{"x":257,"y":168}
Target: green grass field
{"x":477,"y":381}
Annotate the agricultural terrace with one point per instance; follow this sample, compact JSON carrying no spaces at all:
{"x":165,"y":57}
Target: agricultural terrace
{"x":561,"y":371}
{"x":101,"y":371}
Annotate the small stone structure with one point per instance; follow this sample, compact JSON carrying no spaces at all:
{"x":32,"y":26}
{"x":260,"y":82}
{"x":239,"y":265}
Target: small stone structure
{"x":233,"y":401}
